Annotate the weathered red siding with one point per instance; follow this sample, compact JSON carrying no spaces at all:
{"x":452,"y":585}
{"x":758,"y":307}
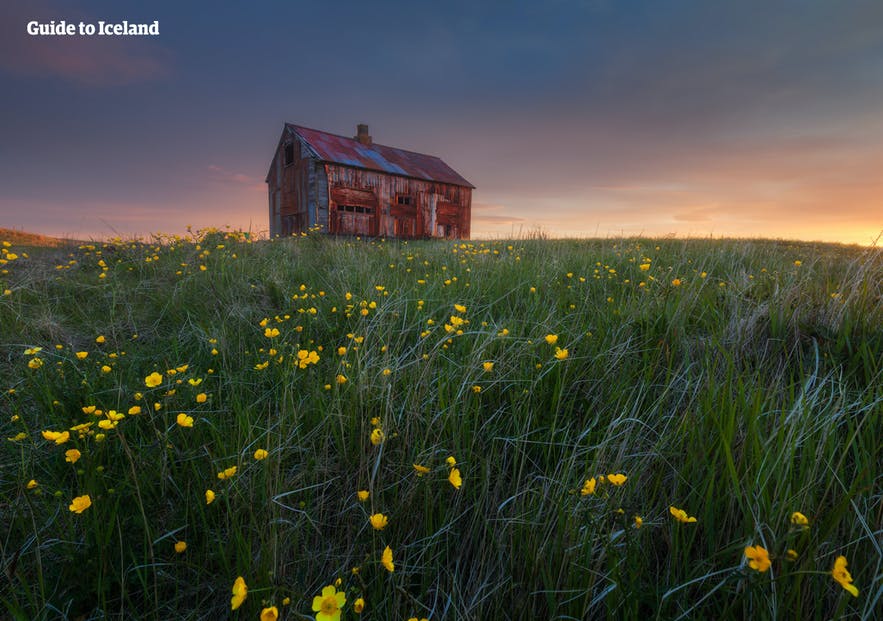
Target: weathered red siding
{"x":349,"y":200}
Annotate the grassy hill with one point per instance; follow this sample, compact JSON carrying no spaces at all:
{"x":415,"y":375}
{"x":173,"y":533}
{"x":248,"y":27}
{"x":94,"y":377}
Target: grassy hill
{"x":511,"y":429}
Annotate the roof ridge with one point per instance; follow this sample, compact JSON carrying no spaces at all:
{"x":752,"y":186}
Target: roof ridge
{"x":386,"y":146}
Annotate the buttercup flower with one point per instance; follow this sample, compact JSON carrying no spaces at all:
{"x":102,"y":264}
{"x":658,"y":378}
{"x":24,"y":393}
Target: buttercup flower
{"x":329,"y":604}
{"x":180,"y":547}
{"x":378,"y":521}
{"x":80,"y":504}
{"x":680,"y":515}
{"x":201,"y":397}
{"x":561,"y":354}
{"x":153,"y":380}
{"x":185,"y":421}
{"x":270,"y":614}
{"x":82,"y":355}
{"x":639,"y":521}
{"x":260,"y":454}
{"x":32,"y":484}
{"x":226,"y":474}
{"x":455,"y":479}
{"x":240,"y":592}
{"x":72,"y":455}
{"x":377,"y":436}
{"x":209,"y":496}
{"x":487,"y":366}
{"x":616,"y":479}
{"x":362,"y":495}
{"x":589,"y":487}
{"x":271,"y":333}
{"x":759,"y":558}
{"x":359,"y":606}
{"x":798,"y":519}
{"x":59,"y":437}
{"x":386,"y":560}
{"x":842,"y":576}
{"x":421,"y":470}
{"x":551,"y":339}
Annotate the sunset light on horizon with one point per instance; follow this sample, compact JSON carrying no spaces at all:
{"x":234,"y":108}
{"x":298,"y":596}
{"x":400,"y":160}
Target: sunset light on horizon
{"x":571,"y":118}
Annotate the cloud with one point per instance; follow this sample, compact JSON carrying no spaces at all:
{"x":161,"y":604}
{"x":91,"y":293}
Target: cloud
{"x":487,"y":213}
{"x":222,"y":175}
{"x":93,"y":61}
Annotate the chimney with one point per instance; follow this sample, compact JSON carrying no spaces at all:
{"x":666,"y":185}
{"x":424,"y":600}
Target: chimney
{"x":362,"y":136}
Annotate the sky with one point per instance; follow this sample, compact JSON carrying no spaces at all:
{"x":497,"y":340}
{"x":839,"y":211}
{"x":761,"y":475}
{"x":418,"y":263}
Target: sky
{"x":574,"y":118}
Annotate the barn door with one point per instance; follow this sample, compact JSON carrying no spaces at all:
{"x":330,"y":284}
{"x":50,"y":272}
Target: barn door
{"x":354,"y":212}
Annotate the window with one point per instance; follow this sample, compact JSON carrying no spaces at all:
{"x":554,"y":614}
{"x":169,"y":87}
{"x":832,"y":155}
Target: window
{"x":404,"y":199}
{"x":289,"y":153}
{"x":355,"y":209}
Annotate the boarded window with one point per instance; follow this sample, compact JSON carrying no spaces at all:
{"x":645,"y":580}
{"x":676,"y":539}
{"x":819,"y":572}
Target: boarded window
{"x":404,"y":199}
{"x":289,"y":153}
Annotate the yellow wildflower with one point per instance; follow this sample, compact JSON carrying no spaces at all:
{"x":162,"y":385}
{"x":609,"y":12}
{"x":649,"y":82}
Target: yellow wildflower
{"x":459,"y":308}
{"x":32,"y":484}
{"x":153,"y":380}
{"x":228,"y":473}
{"x":454,"y":478}
{"x":80,"y":504}
{"x":184,"y":421}
{"x":616,"y":479}
{"x":260,"y":454}
{"x":421,"y":470}
{"x":81,"y":355}
{"x":842,"y":576}
{"x":359,"y":606}
{"x":377,"y":436}
{"x":72,"y":455}
{"x":386,"y":560}
{"x":798,"y":519}
{"x":35,"y":363}
{"x":100,"y":338}
{"x":329,"y":604}
{"x":487,"y":366}
{"x":378,"y":521}
{"x":561,"y":354}
{"x":341,"y":379}
{"x":676,"y":282}
{"x":551,"y":339}
{"x":209,"y":496}
{"x":270,"y":614}
{"x":240,"y":592}
{"x":759,"y":558}
{"x":589,"y":487}
{"x":451,"y":461}
{"x":639,"y":521}
{"x":362,"y":495}
{"x":271,"y":333}
{"x":59,"y":437}
{"x":180,"y":547}
{"x":201,"y":397}
{"x":134,"y":410}
{"x":680,"y":515}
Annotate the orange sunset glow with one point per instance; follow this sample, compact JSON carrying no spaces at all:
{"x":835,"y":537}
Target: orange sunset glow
{"x":573,"y":120}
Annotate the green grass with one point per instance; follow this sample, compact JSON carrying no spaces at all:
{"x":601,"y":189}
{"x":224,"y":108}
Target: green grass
{"x":751,"y":390}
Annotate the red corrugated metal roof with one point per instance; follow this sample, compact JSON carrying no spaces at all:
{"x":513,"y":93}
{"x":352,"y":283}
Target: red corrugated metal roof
{"x":350,"y":152}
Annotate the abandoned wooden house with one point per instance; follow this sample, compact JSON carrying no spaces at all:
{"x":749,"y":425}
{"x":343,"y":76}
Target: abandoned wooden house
{"x":352,"y":186}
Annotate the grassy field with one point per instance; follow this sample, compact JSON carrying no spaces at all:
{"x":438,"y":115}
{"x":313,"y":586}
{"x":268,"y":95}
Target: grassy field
{"x":547,"y":429}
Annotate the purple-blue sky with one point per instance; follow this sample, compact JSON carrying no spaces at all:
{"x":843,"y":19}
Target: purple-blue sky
{"x":579,"y":117}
